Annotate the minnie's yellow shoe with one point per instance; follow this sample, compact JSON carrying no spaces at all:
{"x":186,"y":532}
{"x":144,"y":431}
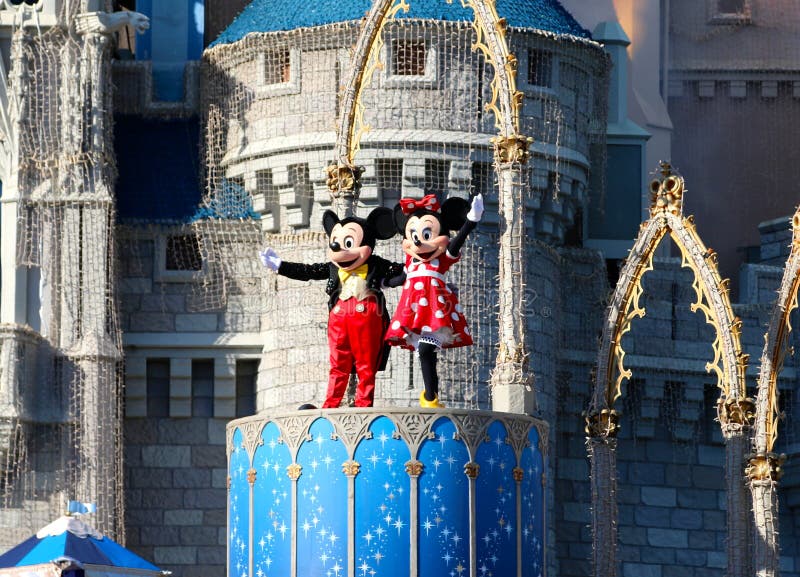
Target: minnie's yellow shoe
{"x":426,"y":404}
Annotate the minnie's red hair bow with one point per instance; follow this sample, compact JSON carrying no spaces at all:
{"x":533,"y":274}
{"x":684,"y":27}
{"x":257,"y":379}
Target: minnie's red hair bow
{"x":409,"y":205}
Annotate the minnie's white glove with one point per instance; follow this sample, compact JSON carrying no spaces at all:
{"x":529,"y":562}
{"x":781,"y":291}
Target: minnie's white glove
{"x":270,"y":259}
{"x":476,"y":210}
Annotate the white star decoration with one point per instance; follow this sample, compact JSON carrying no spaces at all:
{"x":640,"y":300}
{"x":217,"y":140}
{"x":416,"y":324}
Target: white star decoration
{"x":377,"y":535}
{"x":427,"y":525}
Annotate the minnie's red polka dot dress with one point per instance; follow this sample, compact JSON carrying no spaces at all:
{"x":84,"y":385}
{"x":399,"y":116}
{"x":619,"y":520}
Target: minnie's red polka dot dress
{"x":428,"y":307}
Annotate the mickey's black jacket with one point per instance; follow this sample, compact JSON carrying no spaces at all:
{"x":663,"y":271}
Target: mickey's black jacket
{"x":380,"y":273}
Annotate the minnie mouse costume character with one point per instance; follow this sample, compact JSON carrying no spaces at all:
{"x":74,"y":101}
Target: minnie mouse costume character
{"x":358,"y":317}
{"x":428,"y":317}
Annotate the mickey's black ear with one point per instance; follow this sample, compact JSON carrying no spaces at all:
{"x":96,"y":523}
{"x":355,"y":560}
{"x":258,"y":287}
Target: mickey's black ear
{"x":329,"y":220}
{"x":454,"y":213}
{"x":400,"y":220}
{"x":381,"y":221}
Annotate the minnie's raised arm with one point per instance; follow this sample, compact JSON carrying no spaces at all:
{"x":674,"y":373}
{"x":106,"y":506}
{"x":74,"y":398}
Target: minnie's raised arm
{"x":473,"y":218}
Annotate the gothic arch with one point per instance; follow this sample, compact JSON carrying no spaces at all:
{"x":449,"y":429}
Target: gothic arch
{"x":729,"y":364}
{"x":343,"y":175}
{"x":764,"y":469}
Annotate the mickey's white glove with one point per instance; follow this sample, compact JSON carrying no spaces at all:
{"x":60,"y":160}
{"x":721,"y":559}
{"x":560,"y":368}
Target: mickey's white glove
{"x":270,"y":259}
{"x":476,"y":210}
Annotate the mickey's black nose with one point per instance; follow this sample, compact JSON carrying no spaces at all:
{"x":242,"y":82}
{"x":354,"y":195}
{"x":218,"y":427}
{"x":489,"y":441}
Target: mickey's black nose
{"x":417,"y":242}
{"x":335,"y":246}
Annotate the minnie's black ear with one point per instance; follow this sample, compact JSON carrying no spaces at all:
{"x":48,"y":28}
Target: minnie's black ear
{"x":381,"y":221}
{"x":400,"y":220}
{"x":329,"y":220}
{"x":454,"y":213}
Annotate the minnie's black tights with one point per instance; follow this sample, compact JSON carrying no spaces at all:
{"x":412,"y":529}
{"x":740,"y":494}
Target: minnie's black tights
{"x":427,"y":362}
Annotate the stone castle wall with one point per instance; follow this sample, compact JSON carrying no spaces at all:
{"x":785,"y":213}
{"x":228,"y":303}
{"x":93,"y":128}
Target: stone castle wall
{"x":671,"y":483}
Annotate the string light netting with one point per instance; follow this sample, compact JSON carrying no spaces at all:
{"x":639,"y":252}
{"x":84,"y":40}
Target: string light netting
{"x":271,"y":104}
{"x":67,"y":427}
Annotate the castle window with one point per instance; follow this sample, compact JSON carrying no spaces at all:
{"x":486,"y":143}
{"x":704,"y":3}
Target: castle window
{"x":246,"y":377}
{"x":540,"y":68}
{"x":203,"y":388}
{"x":157,"y":387}
{"x":389,"y":174}
{"x":278,"y":72}
{"x":729,"y":11}
{"x":482,"y":178}
{"x":265,"y":187}
{"x":183,"y":253}
{"x":300,"y":181}
{"x":731,"y":6}
{"x":408,"y":58}
{"x":277,"y":67}
{"x":437,"y":175}
{"x":177,"y":255}
{"x":412,"y":62}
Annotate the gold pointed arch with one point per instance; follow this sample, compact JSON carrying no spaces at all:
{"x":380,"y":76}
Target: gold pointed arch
{"x":765,"y":467}
{"x":729,"y":363}
{"x":775,"y":349}
{"x":491,"y":40}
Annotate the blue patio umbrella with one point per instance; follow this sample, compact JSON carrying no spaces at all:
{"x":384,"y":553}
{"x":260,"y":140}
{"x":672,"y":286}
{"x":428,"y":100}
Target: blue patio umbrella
{"x":69,"y":545}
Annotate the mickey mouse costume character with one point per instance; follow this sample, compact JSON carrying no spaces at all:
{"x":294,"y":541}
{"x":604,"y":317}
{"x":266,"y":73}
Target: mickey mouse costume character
{"x":358,"y":317}
{"x":428,"y":317}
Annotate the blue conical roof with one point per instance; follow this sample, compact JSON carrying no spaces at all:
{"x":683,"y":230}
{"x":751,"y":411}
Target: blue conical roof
{"x":68,"y":537}
{"x":276,"y":15}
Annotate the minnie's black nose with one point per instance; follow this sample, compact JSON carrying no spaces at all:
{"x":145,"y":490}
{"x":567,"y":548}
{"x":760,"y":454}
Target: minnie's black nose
{"x":335,"y":246}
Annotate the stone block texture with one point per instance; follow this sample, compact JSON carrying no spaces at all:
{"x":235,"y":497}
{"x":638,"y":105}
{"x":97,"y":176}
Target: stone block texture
{"x":174,"y":510}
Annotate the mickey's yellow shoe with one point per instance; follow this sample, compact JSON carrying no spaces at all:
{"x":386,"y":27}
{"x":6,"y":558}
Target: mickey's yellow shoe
{"x":426,"y":404}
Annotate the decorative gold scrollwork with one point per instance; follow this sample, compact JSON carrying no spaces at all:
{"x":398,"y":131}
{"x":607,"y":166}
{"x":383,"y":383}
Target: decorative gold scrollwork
{"x":414,"y":468}
{"x":491,"y":40}
{"x":471,"y":470}
{"x":511,"y":149}
{"x":666,"y":193}
{"x":518,"y":473}
{"x":736,"y":411}
{"x":604,"y":423}
{"x":342,"y":179}
{"x":796,"y":230}
{"x":765,"y":467}
{"x":351,"y":468}
{"x":251,"y":476}
{"x":506,"y":355}
{"x":294,"y":471}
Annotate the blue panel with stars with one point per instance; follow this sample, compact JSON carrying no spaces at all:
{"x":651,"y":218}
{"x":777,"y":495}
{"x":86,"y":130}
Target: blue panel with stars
{"x":382,"y":506}
{"x":272,"y":506}
{"x":322,"y":505}
{"x":443,"y":505}
{"x":532,"y":489}
{"x":496,"y":505}
{"x":238,"y":509}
